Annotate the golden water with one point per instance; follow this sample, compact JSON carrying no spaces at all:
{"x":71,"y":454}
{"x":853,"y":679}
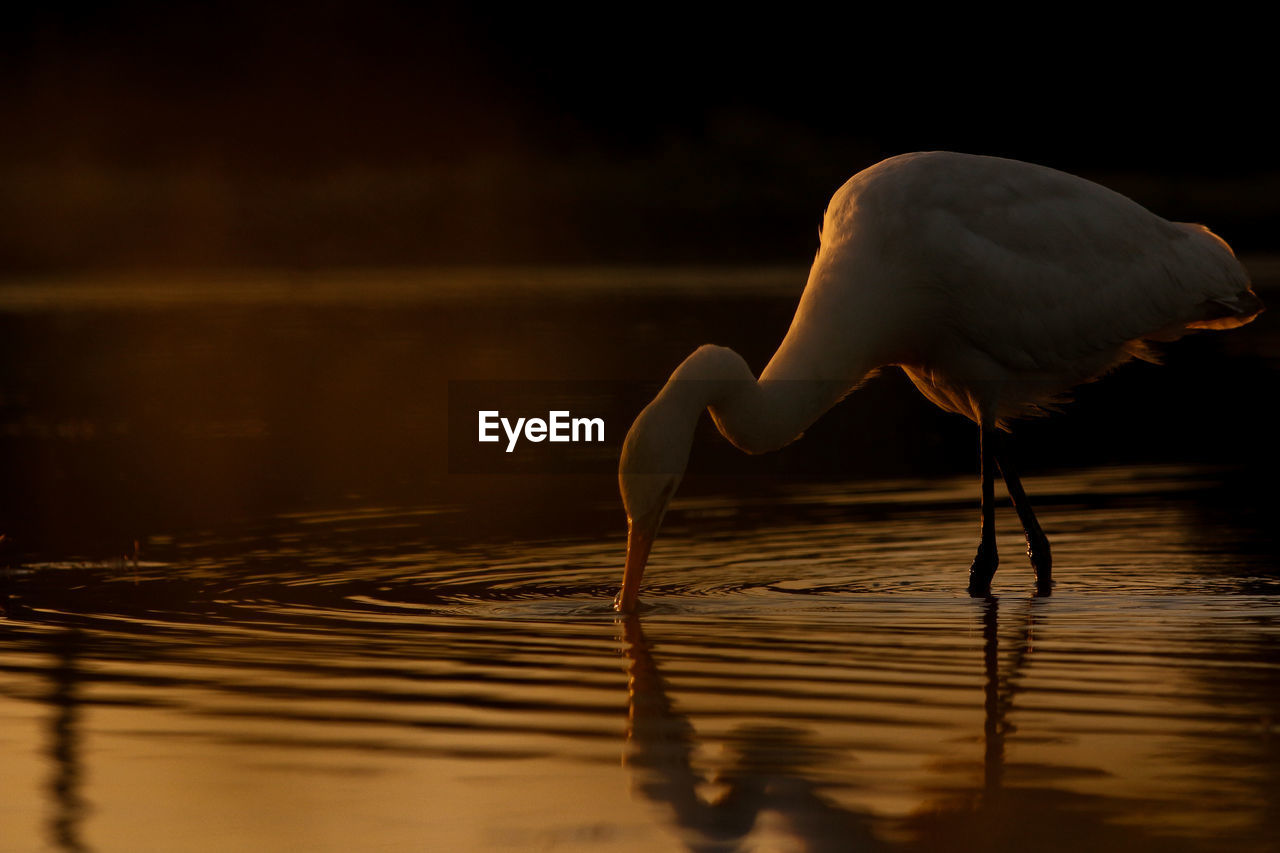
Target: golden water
{"x":805,"y":675}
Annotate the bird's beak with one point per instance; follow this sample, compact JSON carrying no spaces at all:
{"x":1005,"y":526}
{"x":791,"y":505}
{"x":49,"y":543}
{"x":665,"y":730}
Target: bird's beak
{"x":639,"y":541}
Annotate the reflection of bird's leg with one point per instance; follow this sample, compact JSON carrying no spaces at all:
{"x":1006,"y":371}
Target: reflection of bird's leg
{"x":1037,"y":542}
{"x":993,"y":723}
{"x":986,"y":560}
{"x":65,"y":824}
{"x":999,"y":690}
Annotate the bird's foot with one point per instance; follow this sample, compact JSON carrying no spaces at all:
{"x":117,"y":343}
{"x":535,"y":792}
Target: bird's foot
{"x":983,"y":570}
{"x":1041,"y":561}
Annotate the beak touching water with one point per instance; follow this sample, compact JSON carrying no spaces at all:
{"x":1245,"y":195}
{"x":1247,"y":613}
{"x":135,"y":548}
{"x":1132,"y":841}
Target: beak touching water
{"x":639,"y":541}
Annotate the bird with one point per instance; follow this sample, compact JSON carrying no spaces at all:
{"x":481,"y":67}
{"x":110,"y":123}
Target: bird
{"x":996,"y":285}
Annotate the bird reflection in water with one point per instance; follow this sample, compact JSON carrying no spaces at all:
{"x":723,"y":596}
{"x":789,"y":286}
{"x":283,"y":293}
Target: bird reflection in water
{"x":64,"y":743}
{"x":998,"y":690}
{"x":767,"y":773}
{"x":67,"y":803}
{"x":771,"y":768}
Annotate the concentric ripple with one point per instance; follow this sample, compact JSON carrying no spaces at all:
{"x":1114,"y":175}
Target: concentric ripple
{"x":803,"y":672}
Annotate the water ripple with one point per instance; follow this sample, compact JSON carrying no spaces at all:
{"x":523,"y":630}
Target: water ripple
{"x":823,"y":646}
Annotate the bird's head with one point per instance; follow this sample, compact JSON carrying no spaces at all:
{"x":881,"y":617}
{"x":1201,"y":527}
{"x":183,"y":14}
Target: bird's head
{"x":653,"y":460}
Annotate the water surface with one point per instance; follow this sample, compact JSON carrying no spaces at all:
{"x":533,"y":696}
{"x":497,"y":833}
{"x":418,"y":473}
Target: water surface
{"x":790,"y":685}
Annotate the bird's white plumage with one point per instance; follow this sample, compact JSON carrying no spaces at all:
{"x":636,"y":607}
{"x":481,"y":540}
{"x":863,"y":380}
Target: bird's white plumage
{"x":1001,"y":283}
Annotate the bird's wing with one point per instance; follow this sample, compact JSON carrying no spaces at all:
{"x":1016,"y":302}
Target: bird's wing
{"x":1046,"y":272}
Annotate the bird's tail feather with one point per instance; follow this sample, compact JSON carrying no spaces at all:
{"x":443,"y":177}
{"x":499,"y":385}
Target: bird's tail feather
{"x":1229,"y":312}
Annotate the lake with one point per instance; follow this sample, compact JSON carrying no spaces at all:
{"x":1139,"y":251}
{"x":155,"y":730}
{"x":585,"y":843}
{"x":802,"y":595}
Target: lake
{"x":257,"y":594}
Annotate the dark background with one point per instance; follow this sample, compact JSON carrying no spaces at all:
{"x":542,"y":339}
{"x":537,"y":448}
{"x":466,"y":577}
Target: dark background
{"x":150,"y":134}
{"x":142,"y":138}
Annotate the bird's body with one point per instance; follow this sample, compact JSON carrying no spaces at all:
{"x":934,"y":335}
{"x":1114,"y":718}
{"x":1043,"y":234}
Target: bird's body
{"x":996,"y":285}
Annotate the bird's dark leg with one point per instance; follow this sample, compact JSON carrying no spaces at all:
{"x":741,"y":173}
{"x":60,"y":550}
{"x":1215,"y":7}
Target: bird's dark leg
{"x":1037,"y":542}
{"x":986,"y":560}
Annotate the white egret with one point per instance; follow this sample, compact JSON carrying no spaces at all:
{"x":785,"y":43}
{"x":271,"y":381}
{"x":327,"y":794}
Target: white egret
{"x":996,"y":285}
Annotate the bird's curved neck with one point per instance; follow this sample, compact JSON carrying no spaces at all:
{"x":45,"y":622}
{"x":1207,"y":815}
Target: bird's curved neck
{"x":756,"y":416}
